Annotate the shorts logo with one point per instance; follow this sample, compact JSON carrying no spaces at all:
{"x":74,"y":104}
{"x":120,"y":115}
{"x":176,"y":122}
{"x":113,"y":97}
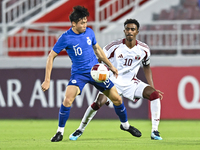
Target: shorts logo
{"x":73,"y":81}
{"x":107,"y":85}
{"x":89,"y":41}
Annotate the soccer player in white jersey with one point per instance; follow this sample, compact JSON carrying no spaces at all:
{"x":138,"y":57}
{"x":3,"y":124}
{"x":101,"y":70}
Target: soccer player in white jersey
{"x":126,"y":55}
{"x":81,"y":45}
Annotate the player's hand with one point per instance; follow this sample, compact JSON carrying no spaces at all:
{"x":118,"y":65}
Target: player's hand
{"x":114,"y":70}
{"x":160,"y":94}
{"x":45,"y":85}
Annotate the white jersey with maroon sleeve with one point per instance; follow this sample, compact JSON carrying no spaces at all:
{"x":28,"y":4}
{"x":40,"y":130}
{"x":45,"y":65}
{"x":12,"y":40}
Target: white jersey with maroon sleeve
{"x":126,"y":60}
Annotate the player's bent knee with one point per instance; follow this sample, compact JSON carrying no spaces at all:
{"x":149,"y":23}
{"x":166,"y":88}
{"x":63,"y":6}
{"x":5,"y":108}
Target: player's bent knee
{"x":95,"y":106}
{"x":101,"y":99}
{"x":117,"y":101}
{"x":113,"y":95}
{"x":154,"y":95}
{"x":67,"y":102}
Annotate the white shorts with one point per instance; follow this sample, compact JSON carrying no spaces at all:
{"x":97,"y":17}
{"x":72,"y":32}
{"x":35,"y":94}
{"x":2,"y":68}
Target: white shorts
{"x":133,"y":90}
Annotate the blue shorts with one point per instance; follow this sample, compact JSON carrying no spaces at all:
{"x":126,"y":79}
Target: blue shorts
{"x":81,"y":80}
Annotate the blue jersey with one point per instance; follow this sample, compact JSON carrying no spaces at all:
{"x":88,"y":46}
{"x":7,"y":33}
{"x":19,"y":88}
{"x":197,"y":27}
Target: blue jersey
{"x":79,"y":48}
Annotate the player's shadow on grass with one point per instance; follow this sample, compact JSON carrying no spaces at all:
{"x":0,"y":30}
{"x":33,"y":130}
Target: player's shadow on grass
{"x":103,"y":139}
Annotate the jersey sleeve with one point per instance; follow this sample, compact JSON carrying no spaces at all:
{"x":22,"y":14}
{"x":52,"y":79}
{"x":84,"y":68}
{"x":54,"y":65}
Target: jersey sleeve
{"x":109,"y":50}
{"x":146,"y":60}
{"x":61,"y":43}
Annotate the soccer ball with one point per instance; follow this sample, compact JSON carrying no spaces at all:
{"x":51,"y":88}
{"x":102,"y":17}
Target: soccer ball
{"x":100,"y":72}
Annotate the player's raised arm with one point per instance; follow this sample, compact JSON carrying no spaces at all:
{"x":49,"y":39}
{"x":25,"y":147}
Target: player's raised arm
{"x":49,"y":64}
{"x":102,"y":57}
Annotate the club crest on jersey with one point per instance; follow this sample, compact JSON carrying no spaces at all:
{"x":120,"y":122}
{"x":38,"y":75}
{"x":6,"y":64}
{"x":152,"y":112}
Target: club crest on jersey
{"x":120,"y":56}
{"x":74,"y":81}
{"x":137,"y":57}
{"x":89,"y":41}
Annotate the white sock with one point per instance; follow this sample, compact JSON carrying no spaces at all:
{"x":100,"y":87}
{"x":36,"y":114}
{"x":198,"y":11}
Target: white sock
{"x":61,"y":129}
{"x":155,"y":113}
{"x":89,"y":114}
{"x":125,"y":125}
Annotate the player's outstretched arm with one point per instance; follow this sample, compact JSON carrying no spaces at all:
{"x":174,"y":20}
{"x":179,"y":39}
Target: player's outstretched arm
{"x":45,"y":85}
{"x":102,"y":57}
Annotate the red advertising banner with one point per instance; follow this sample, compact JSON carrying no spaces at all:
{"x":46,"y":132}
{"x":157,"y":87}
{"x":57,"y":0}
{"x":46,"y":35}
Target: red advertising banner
{"x":181,"y":87}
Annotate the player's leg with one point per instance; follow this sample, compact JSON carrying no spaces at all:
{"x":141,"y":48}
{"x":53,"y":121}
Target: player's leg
{"x":70,"y":94}
{"x":151,"y":94}
{"x":155,"y":118}
{"x":89,"y":114}
{"x":92,"y":110}
{"x":120,"y":110}
{"x":143,"y":90}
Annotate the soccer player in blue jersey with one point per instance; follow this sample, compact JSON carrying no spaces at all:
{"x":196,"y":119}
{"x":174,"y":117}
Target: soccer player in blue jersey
{"x":81,"y":46}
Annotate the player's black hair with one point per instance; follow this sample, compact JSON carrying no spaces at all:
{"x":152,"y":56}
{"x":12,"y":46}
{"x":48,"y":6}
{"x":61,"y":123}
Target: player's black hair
{"x":79,"y":12}
{"x":132,"y":21}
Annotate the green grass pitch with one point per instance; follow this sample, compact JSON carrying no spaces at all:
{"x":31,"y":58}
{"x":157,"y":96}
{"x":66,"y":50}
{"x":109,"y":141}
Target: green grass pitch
{"x":99,"y":135}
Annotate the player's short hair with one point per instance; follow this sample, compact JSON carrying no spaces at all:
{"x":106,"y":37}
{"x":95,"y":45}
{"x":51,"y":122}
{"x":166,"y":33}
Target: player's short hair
{"x":79,"y":12}
{"x":132,"y":21}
